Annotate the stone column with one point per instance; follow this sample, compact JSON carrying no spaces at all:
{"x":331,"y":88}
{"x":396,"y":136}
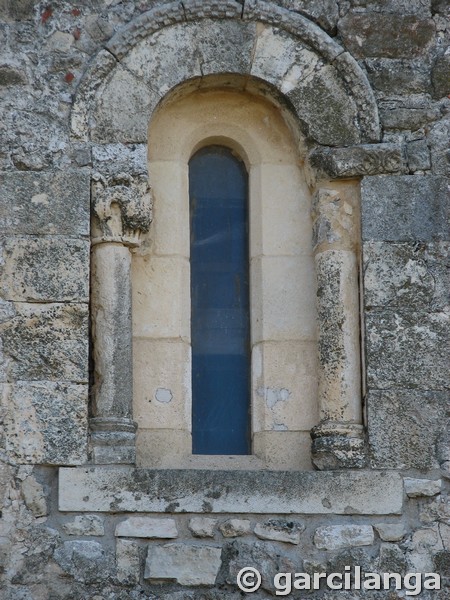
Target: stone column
{"x":121,"y":212}
{"x":339,"y":439}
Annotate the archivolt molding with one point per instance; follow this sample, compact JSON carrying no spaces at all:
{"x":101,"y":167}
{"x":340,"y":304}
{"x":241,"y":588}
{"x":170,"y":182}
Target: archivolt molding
{"x":179,"y":41}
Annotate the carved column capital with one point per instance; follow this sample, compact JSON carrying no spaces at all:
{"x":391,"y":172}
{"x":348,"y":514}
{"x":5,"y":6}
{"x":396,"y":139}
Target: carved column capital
{"x":121,"y":208}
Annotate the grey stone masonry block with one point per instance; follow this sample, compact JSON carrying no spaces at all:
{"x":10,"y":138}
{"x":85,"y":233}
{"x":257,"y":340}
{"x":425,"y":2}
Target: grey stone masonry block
{"x":279,"y":531}
{"x":405,"y":427}
{"x":324,"y":12}
{"x":399,"y":75}
{"x":85,"y":525}
{"x":44,"y":269}
{"x":235,"y":527}
{"x":439,"y":147}
{"x":112,"y":159}
{"x":184,"y":563}
{"x":45,"y":342}
{"x":335,"y":537}
{"x":52,"y":428}
{"x":440,"y":76}
{"x":418,"y":155}
{"x":402,"y":7}
{"x":416,"y":488}
{"x":407,"y":350}
{"x":45,"y":203}
{"x":128,"y":561}
{"x":391,"y":532}
{"x":405,"y":208}
{"x":367,"y":159}
{"x":406,"y":275}
{"x":85,"y":561}
{"x":328,"y":113}
{"x":115,"y":489}
{"x":202,"y":527}
{"x":386,"y":35}
{"x":147,"y":527}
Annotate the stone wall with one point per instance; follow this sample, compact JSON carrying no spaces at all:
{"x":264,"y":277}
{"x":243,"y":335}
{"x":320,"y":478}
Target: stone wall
{"x":71,"y":530}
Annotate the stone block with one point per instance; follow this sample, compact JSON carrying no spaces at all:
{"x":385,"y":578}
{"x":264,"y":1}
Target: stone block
{"x":405,"y":207}
{"x":123,"y":109}
{"x":404,"y":427}
{"x":45,"y":203}
{"x":440,"y":76}
{"x":391,"y":532}
{"x":184,"y":563}
{"x":202,"y":527}
{"x":280,"y":221}
{"x":104,"y":489}
{"x":34,"y":496}
{"x":44,"y":269}
{"x":267,"y":558}
{"x":170,"y":227}
{"x":335,"y":537}
{"x":282,"y":298}
{"x":235,"y":527}
{"x":85,"y":525}
{"x":162,"y":384}
{"x":406,"y":349}
{"x":45,"y":422}
{"x":284,"y":386}
{"x":358,"y":160}
{"x":406,"y":275}
{"x":398,"y":75}
{"x":279,"y":531}
{"x":112,"y":159}
{"x":438,"y":141}
{"x":418,"y":155}
{"x":147,"y":527}
{"x":386,"y":35}
{"x":162,"y":448}
{"x":128,"y":562}
{"x":283,"y":450}
{"x":46,"y":342}
{"x":329,"y":114}
{"x":416,"y":488}
{"x":85,"y":561}
{"x":408,"y":117}
{"x":156,"y":278}
{"x":323,"y":12}
{"x":281,"y":59}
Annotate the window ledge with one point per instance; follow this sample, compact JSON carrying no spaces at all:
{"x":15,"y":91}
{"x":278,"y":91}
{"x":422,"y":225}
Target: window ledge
{"x":128,"y":489}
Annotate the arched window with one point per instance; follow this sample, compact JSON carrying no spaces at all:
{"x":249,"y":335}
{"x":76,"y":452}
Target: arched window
{"x":220,"y":306}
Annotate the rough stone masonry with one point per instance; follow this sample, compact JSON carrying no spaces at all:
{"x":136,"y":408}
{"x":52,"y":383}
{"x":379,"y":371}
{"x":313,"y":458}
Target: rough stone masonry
{"x":367,"y":84}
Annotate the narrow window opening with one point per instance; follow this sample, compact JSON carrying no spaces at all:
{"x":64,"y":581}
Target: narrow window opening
{"x":220,"y":305}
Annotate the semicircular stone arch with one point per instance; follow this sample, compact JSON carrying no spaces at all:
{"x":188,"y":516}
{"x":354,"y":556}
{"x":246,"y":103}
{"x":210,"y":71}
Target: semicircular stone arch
{"x":173,"y":43}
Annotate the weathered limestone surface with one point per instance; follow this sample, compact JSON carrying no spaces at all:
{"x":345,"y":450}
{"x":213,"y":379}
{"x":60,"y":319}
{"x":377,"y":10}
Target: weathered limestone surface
{"x":53,"y":424}
{"x":415,"y":488}
{"x":403,"y":208}
{"x":279,"y":531}
{"x":409,"y":426}
{"x":235,"y":527}
{"x":44,"y":269}
{"x":45,"y":203}
{"x":45,"y":342}
{"x":187,"y":565}
{"x":85,"y":525}
{"x":202,"y":527}
{"x":334,"y":537}
{"x":147,"y":527}
{"x":104,"y":489}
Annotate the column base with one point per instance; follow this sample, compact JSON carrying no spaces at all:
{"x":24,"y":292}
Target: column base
{"x":338,"y":445}
{"x":113,"y":441}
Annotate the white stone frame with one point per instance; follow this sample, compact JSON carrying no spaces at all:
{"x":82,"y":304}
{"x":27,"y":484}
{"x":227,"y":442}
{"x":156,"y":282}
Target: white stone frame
{"x":329,"y":97}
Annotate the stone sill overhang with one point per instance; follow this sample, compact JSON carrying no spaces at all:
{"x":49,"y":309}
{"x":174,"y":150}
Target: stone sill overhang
{"x":113,"y":489}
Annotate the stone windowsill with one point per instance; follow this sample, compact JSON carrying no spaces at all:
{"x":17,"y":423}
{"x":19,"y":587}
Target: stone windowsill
{"x":128,"y":489}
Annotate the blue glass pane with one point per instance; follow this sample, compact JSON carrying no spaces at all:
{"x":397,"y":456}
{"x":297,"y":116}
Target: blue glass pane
{"x":220,"y":324}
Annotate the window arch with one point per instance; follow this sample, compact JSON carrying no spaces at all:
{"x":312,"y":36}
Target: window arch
{"x":283,"y":343}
